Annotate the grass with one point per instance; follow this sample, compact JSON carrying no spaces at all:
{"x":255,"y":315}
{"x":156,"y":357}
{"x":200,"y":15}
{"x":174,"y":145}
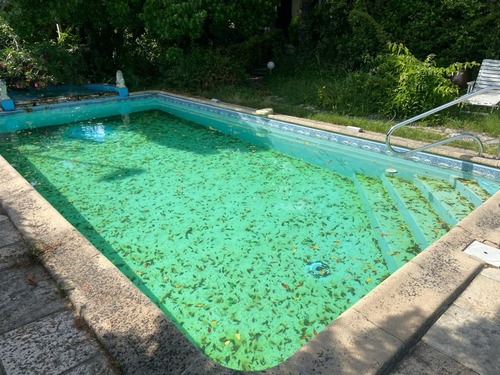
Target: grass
{"x":300,"y":95}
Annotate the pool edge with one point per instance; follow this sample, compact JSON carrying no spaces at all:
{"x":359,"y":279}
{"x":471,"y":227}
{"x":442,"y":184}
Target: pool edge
{"x":441,"y":272}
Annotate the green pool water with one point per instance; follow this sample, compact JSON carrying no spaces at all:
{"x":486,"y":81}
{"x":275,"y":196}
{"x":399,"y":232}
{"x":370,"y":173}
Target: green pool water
{"x":224,"y":235}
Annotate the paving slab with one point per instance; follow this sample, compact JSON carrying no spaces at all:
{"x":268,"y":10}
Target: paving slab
{"x":410,"y":300}
{"x":491,"y":273}
{"x":482,"y":297}
{"x":482,"y":223}
{"x":47,"y":346}
{"x":8,"y":234}
{"x":16,"y":254}
{"x":39,"y":333}
{"x":27,"y":294}
{"x":468,"y":338}
{"x":97,"y":365}
{"x":427,"y":360}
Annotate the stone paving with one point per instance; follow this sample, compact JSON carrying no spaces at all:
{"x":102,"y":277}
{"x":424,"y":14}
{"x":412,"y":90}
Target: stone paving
{"x":466,"y":338}
{"x":40,"y":333}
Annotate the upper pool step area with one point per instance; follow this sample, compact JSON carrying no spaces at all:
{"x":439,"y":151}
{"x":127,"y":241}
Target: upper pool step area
{"x":409,"y":214}
{"x":449,"y":202}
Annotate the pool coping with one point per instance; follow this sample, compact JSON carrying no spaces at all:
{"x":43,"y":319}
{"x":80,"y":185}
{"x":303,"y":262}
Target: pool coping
{"x":368,"y":338}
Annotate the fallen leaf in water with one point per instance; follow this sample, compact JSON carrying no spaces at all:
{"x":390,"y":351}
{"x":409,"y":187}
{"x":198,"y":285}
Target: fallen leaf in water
{"x":284,"y":285}
{"x":227,"y":342}
{"x":238,"y":336}
{"x":31,"y":279}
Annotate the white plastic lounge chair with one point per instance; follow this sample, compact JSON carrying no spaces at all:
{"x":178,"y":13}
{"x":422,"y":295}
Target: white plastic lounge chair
{"x":489,"y":75}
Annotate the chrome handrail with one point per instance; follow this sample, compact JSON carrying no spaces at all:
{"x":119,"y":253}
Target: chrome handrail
{"x":431,"y":112}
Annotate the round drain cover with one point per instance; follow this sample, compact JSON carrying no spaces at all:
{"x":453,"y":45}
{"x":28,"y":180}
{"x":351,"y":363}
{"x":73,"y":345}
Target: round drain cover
{"x":318,"y":269}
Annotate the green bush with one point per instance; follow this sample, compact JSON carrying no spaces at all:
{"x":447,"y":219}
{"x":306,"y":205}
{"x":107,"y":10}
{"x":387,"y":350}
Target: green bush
{"x":397,"y":86}
{"x":201,"y":69}
{"x":20,"y":67}
{"x":257,"y":50}
{"x":40,"y":63}
{"x":419,"y":85}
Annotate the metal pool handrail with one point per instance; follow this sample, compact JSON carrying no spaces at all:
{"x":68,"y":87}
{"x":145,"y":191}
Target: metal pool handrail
{"x":431,"y":112}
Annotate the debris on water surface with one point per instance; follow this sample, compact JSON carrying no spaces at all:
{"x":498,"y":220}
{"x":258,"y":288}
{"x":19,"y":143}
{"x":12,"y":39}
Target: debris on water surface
{"x":318,"y":269}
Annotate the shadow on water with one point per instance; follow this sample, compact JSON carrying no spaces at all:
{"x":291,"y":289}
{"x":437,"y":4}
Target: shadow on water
{"x":117,"y":172}
{"x":121,"y":174}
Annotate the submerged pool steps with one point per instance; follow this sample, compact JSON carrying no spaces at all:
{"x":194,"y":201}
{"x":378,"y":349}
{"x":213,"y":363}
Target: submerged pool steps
{"x":425,"y":224}
{"x":407,"y":215}
{"x":448,"y":201}
{"x":389,"y":227}
{"x":471,"y":190}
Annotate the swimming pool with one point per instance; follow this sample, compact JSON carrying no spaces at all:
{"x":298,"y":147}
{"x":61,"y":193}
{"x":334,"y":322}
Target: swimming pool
{"x":302,"y":264}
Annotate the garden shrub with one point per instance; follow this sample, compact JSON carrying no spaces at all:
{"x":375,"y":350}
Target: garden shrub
{"x":202,"y":68}
{"x":40,"y":63}
{"x":20,"y":67}
{"x":419,"y":85}
{"x":398,"y":85}
{"x":257,"y":50}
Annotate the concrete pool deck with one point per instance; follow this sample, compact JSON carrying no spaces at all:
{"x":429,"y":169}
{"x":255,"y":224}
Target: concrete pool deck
{"x":443,"y":307}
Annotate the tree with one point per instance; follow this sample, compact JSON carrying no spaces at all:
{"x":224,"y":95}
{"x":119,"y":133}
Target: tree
{"x":218,"y":22}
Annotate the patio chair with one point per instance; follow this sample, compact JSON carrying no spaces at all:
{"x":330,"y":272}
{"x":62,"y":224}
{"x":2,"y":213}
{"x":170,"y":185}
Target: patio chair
{"x":489,"y":75}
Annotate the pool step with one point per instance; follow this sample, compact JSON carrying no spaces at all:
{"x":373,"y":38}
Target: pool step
{"x":390,"y":228}
{"x":425,"y":223}
{"x":488,"y":187}
{"x":449,"y":202}
{"x":471,"y":190}
{"x":408,"y":214}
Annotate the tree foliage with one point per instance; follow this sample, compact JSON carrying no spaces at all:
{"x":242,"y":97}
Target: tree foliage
{"x":138,"y":36}
{"x":352,"y":32}
{"x":205,"y":43}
